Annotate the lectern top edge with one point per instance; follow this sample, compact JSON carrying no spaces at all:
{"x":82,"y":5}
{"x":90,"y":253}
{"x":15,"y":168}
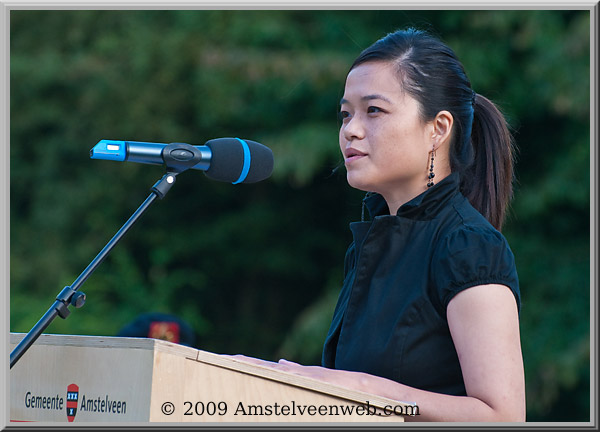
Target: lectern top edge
{"x":107,"y":342}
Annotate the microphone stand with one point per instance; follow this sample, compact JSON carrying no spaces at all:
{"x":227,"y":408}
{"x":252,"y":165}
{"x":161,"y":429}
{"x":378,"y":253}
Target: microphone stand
{"x":178,"y":158}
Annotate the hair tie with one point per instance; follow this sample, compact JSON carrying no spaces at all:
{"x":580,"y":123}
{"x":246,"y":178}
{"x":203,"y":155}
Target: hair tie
{"x":473,"y":97}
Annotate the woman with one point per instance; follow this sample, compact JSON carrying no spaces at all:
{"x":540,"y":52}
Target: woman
{"x":429,"y":309}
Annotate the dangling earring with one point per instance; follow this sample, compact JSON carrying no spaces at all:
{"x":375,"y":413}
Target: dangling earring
{"x":431,"y":174}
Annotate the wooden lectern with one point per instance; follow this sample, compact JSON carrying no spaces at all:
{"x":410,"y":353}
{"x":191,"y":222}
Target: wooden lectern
{"x":113,"y":379}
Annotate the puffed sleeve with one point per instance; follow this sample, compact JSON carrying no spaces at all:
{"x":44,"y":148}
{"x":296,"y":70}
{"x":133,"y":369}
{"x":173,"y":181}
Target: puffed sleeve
{"x":472,"y":256}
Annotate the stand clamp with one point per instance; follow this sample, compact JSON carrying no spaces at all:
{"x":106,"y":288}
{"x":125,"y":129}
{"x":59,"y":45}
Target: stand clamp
{"x":68,"y":296}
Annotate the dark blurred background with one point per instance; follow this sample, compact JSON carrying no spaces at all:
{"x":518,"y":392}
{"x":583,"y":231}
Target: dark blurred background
{"x":255,"y":269}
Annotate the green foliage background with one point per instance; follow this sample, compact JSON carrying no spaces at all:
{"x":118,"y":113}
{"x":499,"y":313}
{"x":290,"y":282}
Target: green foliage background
{"x":255,"y":269}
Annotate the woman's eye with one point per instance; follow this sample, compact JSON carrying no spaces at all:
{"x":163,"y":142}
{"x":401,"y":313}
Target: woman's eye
{"x":374,"y":109}
{"x":342,"y":115}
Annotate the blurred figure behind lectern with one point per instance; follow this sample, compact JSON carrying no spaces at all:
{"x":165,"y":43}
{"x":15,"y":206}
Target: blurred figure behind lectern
{"x":163,"y":326}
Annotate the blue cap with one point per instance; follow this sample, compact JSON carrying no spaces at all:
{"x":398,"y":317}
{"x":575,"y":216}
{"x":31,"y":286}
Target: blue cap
{"x":109,"y":150}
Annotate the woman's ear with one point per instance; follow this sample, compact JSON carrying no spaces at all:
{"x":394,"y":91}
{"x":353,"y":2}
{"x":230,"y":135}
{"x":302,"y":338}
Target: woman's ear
{"x":442,"y":129}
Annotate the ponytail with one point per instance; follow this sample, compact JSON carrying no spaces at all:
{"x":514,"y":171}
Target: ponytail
{"x":487,"y":183}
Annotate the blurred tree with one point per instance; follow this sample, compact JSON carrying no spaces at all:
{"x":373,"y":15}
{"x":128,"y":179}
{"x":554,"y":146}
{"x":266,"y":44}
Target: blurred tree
{"x":256,"y":268}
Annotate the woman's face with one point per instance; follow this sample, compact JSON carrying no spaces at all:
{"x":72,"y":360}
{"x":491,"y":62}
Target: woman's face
{"x":385,"y":144}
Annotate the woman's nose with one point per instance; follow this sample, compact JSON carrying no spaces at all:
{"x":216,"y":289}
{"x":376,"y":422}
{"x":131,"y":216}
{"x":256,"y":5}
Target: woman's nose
{"x":353,"y":129}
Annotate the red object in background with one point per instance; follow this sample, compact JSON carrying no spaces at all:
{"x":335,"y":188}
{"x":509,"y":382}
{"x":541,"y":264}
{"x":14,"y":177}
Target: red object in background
{"x":164,"y":330}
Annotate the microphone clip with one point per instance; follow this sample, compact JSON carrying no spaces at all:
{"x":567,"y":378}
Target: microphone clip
{"x":178,"y":157}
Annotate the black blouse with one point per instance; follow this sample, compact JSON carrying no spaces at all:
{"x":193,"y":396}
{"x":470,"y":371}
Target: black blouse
{"x":401,"y":271}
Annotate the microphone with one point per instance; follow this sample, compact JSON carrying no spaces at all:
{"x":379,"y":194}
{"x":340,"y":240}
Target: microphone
{"x":231,"y":160}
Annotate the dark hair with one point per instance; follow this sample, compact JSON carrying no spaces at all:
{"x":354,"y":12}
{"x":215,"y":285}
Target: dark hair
{"x":481,"y":148}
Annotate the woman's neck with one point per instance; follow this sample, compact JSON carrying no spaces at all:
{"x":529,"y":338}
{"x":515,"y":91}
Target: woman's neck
{"x":398,"y":197}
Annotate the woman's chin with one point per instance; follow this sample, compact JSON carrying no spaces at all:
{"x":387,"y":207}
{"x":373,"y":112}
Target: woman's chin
{"x":358,"y":183}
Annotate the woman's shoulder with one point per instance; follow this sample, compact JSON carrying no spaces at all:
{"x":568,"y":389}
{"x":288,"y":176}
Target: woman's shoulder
{"x":471,"y":252}
{"x":470,"y":225}
{"x":469,"y":242}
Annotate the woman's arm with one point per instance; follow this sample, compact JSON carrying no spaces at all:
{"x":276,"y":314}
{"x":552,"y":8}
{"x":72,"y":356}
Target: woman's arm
{"x":484,"y":324}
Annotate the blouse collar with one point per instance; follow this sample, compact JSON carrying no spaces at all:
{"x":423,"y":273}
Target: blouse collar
{"x":424,"y":206}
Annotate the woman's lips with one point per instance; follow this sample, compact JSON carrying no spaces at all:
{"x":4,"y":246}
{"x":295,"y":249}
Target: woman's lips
{"x":352,"y":155}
